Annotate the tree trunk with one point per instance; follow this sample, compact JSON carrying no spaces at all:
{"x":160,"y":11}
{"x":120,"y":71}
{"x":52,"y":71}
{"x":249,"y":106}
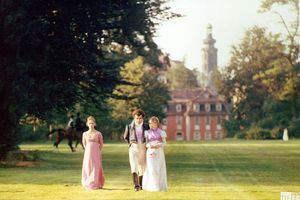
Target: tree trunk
{"x":8,"y":132}
{"x":8,"y":120}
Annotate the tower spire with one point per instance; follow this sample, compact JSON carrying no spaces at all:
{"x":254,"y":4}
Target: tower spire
{"x":209,"y":52}
{"x":209,"y":31}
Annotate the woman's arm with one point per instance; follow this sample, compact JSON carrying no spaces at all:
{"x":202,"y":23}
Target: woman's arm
{"x":147,"y":140}
{"x":163,"y":137}
{"x":100,"y":141}
{"x":83,"y":140}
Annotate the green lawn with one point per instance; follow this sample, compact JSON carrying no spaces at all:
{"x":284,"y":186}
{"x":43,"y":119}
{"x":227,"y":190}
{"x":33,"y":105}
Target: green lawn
{"x":230,"y":169}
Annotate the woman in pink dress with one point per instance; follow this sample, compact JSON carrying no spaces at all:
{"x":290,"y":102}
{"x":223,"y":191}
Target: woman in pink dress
{"x":92,"y":171}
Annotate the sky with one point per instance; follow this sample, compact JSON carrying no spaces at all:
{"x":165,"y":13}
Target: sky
{"x":183,"y":37}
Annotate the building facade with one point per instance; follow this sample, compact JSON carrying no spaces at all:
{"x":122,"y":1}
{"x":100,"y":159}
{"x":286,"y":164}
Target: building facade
{"x":195,"y":114}
{"x":198,"y":113}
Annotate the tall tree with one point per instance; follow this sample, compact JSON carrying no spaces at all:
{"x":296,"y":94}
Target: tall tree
{"x":55,"y":53}
{"x":145,"y":92}
{"x":285,"y":74}
{"x":254,"y":55}
{"x":121,"y":108}
{"x":154,"y":98}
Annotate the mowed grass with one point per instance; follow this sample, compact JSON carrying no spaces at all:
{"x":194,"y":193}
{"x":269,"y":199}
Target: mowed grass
{"x":229,"y":169}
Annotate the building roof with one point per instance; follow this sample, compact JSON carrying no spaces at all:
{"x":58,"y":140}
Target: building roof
{"x":187,"y":97}
{"x":194,"y":95}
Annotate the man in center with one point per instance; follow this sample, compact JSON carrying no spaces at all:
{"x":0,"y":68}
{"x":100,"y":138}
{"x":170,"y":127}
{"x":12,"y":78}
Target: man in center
{"x":135,"y":136}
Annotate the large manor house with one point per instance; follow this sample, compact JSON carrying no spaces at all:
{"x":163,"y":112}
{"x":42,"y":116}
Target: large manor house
{"x":197,"y":113}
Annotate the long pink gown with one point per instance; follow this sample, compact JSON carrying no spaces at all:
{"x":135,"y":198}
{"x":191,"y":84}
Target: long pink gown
{"x":92,"y":171}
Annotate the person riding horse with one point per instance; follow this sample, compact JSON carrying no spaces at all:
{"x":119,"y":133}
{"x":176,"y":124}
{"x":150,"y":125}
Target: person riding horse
{"x":79,"y":124}
{"x":72,"y":132}
{"x":71,"y":123}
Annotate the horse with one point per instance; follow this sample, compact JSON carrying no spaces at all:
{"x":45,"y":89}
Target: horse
{"x":70,"y":133}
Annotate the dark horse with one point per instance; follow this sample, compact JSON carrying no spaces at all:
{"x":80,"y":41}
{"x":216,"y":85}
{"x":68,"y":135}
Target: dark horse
{"x":70,"y":133}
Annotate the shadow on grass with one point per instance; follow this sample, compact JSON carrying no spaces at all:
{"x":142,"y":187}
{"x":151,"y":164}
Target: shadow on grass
{"x":115,"y":189}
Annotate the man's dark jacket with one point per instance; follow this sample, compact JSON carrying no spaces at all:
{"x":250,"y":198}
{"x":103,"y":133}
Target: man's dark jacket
{"x":130,"y":134}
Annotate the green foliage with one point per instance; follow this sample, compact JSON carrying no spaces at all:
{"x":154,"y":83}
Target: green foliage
{"x":181,"y":77}
{"x":276,"y":133}
{"x":294,"y":128}
{"x":59,"y":118}
{"x":154,"y":97}
{"x":232,"y":127}
{"x":216,"y":79}
{"x":248,"y":79}
{"x":28,"y":133}
{"x":100,"y":110}
{"x":276,"y":118}
{"x":235,"y":128}
{"x":132,"y":72}
{"x":257,"y":133}
{"x":267,"y":123}
{"x":282,"y":79}
{"x":144,"y":92}
{"x":263,"y":75}
{"x":121,"y":108}
{"x":252,"y":56}
{"x":55,"y":54}
{"x":17,"y":156}
{"x":240,"y":135}
{"x":266,"y":5}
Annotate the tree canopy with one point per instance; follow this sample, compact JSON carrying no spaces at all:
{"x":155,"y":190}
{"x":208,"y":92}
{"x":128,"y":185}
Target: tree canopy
{"x":262,"y":78}
{"x":181,"y":77}
{"x":146,"y":93}
{"x":55,"y":53}
{"x":286,"y":74}
{"x":257,"y":51}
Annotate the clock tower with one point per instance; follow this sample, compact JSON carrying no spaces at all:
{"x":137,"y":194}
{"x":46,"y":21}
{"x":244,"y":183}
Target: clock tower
{"x":209,"y":53}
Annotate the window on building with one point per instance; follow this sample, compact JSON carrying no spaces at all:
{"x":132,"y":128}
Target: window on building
{"x":164,"y":121}
{"x":178,"y":108}
{"x":219,"y":135}
{"x":207,"y":107}
{"x":178,"y":120}
{"x":179,"y":136}
{"x":219,"y":119}
{"x":197,"y":123}
{"x":207,"y":135}
{"x":219,"y":107}
{"x":197,"y":120}
{"x":196,"y":107}
{"x":213,"y":107}
{"x":207,"y":119}
{"x":197,"y":135}
{"x":202,"y":108}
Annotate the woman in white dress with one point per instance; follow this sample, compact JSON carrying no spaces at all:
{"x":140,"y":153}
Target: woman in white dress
{"x":155,"y":176}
